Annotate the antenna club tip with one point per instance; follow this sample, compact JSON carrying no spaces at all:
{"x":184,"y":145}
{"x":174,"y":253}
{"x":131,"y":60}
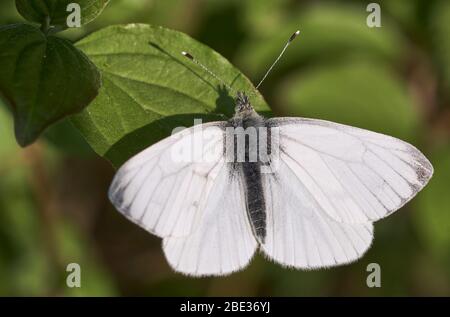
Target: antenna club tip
{"x":184,"y":53}
{"x":293,"y":36}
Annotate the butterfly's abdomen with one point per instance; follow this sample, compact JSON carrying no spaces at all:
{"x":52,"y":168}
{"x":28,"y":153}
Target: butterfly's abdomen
{"x":256,"y":206}
{"x":242,"y":147}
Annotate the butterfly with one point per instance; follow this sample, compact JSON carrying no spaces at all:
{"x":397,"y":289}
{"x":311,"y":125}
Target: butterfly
{"x":304,"y":192}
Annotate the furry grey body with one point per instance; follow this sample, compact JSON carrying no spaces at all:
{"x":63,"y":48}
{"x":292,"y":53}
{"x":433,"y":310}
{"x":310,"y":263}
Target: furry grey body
{"x":246,"y":117}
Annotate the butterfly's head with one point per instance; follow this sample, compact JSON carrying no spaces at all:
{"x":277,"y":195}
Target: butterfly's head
{"x":243,"y":104}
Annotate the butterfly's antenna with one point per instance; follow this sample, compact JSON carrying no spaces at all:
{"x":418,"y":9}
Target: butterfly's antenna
{"x":293,"y":36}
{"x":192,"y":58}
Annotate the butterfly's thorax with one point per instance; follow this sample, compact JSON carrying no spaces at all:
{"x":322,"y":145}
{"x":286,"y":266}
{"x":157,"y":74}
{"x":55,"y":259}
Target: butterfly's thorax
{"x":247,"y":160}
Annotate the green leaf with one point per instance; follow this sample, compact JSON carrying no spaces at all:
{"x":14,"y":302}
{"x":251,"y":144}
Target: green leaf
{"x":327,"y":32}
{"x":43,"y":79}
{"x":8,"y":13}
{"x":149,"y":88}
{"x":56,"y":10}
{"x":362,"y":94}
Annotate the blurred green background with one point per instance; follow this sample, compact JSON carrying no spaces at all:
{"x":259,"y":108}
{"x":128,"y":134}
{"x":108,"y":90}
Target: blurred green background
{"x":394,"y":79}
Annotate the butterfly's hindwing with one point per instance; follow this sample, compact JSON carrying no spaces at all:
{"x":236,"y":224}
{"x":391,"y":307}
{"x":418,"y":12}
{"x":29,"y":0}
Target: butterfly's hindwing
{"x":223,"y":242}
{"x":300,"y":234}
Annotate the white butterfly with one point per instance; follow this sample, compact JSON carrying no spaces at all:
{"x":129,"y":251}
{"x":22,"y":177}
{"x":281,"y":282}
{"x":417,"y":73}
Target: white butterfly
{"x":314,"y":208}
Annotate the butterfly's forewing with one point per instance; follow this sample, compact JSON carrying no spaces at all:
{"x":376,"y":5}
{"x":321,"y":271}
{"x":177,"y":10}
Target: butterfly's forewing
{"x":299,"y":232}
{"x":164,"y":188}
{"x":354,"y":175}
{"x":223,"y":242}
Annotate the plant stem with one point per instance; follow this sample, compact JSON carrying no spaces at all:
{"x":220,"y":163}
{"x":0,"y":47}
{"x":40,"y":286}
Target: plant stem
{"x":45,"y":27}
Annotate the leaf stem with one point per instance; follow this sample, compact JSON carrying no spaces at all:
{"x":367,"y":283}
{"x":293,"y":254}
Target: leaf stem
{"x":45,"y":26}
